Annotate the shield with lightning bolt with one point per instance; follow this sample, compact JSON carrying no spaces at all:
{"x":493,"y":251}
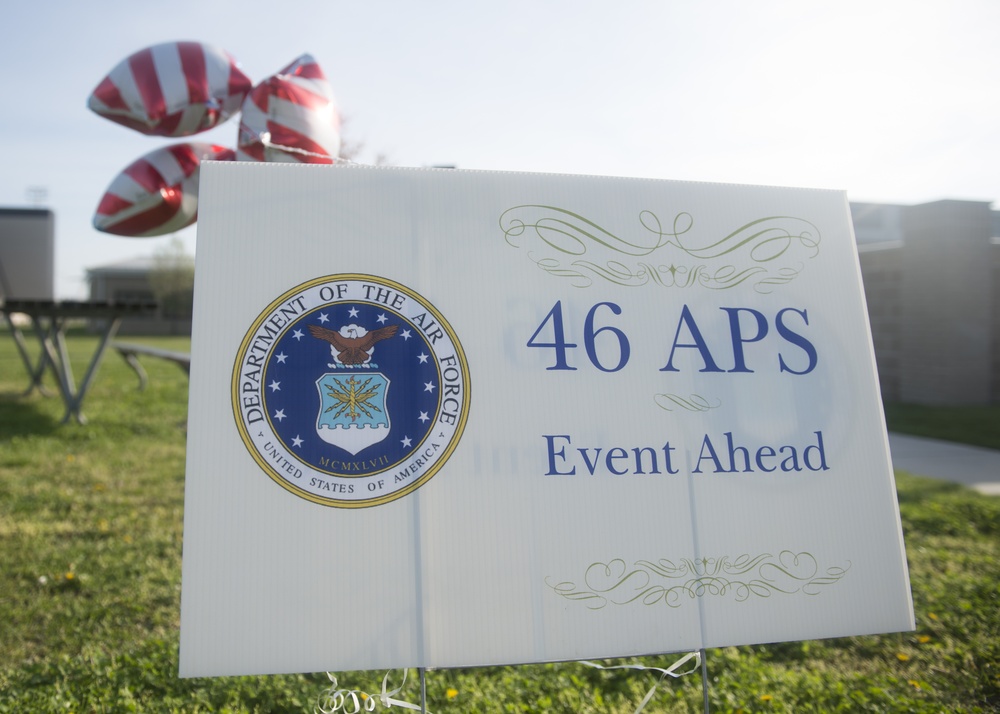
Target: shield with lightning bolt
{"x":352,"y":411}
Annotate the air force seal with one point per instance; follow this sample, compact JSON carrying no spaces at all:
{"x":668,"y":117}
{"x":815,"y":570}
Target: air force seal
{"x":350,"y":391}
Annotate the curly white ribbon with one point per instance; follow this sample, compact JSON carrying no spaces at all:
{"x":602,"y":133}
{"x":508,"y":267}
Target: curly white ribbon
{"x":334,"y":700}
{"x":350,"y":701}
{"x":670,"y":671}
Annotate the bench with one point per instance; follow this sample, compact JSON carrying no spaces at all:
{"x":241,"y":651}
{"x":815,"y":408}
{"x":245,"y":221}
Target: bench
{"x":130,"y":353}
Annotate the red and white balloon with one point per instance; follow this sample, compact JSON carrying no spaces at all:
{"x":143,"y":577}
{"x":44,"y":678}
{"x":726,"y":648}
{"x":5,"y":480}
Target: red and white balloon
{"x":177,"y":89}
{"x":291,"y":117}
{"x":158,"y":193}
{"x":173,"y":89}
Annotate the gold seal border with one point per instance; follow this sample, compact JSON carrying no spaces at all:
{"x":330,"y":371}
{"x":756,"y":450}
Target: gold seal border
{"x":335,"y":502}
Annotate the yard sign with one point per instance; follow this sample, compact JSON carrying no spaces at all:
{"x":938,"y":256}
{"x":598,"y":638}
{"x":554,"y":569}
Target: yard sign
{"x":447,"y":418}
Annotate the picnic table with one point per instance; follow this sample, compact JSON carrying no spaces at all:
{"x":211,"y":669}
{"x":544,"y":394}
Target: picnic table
{"x":48,"y":320}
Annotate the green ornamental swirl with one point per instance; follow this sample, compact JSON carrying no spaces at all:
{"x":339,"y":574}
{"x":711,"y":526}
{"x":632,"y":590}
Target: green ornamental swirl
{"x":765,"y":253}
{"x":671,"y":583}
{"x":692,"y":403}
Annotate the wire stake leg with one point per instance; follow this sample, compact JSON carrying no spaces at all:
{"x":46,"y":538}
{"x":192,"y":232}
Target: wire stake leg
{"x":704,"y":680}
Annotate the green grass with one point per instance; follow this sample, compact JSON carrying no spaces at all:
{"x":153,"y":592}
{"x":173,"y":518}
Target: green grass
{"x":978,"y":426}
{"x":90,"y":553}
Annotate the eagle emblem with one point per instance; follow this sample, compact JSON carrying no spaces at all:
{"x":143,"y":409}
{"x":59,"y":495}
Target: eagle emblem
{"x":352,"y":345}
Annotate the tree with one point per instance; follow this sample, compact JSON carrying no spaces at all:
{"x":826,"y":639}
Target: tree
{"x":352,"y":149}
{"x":172,"y":280}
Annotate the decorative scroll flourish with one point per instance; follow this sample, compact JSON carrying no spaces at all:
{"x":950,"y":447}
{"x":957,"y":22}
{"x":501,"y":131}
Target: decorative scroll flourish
{"x":765,"y":253}
{"x":671,"y":583}
{"x":692,"y":403}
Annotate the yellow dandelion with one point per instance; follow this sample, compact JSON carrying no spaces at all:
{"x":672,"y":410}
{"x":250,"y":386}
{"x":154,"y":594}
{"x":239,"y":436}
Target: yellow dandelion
{"x":70,"y":575}
{"x":932,"y":615}
{"x":127,"y":538}
{"x":924,"y":639}
{"x":902,"y":657}
{"x":913,"y":683}
{"x":70,"y":457}
{"x":766,"y":697}
{"x":364,"y":696}
{"x":451,"y":693}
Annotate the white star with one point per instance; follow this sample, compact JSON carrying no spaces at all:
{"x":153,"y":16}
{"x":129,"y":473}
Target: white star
{"x":428,"y":386}
{"x":353,"y":312}
{"x":323,"y":318}
{"x":296,"y":441}
{"x":406,"y":442}
{"x":423,"y":358}
{"x":405,"y":334}
{"x":381,"y":318}
{"x":280,"y":414}
{"x":281,"y":357}
{"x":423,"y":416}
{"x":275,"y":386}
{"x":298,"y":335}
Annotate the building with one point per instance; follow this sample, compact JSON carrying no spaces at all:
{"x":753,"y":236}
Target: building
{"x":27,"y":253}
{"x":932,"y":281}
{"x":132,"y":281}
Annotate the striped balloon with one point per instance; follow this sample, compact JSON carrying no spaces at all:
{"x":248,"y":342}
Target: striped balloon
{"x":291,"y":117}
{"x":173,"y":89}
{"x":158,"y":193}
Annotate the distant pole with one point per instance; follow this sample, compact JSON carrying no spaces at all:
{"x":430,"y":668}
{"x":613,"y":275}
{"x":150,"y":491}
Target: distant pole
{"x":37,"y":195}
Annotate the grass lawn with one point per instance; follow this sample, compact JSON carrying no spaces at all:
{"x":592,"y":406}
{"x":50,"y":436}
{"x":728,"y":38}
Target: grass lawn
{"x":978,"y":426}
{"x":90,"y":556}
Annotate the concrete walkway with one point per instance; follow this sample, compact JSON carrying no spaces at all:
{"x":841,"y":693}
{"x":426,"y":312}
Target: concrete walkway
{"x":972,"y":466}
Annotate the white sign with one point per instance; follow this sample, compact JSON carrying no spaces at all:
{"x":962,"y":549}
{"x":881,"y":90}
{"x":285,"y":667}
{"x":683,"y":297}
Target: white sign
{"x":446,"y":418}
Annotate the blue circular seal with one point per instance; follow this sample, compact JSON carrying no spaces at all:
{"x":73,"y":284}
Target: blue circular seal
{"x":350,"y":390}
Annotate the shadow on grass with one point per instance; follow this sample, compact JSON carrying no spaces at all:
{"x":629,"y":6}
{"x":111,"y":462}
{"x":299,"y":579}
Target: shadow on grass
{"x":21,"y":415}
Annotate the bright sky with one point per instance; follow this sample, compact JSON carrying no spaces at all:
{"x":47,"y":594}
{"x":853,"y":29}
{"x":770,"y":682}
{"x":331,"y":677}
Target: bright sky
{"x":891,"y":100}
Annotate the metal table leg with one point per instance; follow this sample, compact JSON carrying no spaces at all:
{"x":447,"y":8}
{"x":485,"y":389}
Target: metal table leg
{"x":36,"y":372}
{"x":55,"y":354}
{"x":109,"y":334}
{"x":56,"y":359}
